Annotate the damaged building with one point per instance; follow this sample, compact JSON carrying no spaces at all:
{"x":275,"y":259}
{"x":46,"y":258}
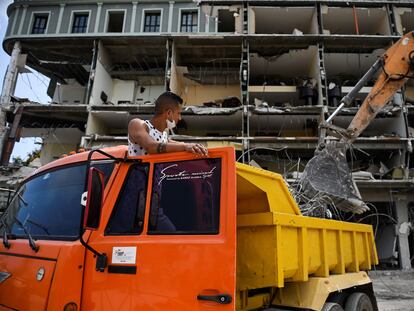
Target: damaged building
{"x":256,"y":75}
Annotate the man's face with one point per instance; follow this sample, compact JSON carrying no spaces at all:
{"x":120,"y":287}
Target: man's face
{"x":174,"y":114}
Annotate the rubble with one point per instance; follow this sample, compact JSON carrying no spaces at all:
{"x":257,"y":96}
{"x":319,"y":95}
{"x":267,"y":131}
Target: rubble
{"x":11,"y":177}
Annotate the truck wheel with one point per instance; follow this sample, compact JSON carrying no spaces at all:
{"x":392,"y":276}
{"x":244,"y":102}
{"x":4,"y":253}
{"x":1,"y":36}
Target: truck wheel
{"x":358,"y":302}
{"x":332,"y":306}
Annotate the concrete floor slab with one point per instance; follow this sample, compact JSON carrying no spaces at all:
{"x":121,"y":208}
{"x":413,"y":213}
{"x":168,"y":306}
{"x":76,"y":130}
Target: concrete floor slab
{"x":394,"y":290}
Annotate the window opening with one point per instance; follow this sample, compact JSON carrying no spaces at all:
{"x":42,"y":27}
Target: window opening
{"x":40,"y":23}
{"x":152,"y":22}
{"x":128,"y":214}
{"x":115,"y":22}
{"x":226,"y":21}
{"x":49,"y":205}
{"x":186,"y":197}
{"x":189,"y":22}
{"x":80,"y":23}
{"x":106,"y":167}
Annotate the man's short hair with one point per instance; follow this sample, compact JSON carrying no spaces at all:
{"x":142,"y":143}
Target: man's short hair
{"x":167,"y":100}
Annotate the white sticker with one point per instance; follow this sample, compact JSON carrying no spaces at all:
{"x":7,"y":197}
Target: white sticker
{"x":124,"y":254}
{"x":84,"y":198}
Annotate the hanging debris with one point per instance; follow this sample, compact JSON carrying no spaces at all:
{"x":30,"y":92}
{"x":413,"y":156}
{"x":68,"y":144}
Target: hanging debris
{"x":327,"y":180}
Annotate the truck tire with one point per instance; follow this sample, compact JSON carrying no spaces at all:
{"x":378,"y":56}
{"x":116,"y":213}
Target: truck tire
{"x":358,"y":302}
{"x":332,"y":306}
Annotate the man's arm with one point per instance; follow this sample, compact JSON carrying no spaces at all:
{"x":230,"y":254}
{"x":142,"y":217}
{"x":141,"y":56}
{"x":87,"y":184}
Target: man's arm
{"x":138,"y":134}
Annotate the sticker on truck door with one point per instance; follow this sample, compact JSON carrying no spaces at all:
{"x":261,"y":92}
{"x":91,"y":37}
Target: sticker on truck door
{"x":124,"y":255}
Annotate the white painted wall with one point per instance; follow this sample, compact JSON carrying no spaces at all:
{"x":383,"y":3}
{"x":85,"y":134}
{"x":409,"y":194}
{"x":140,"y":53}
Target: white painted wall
{"x":54,"y":135}
{"x":404,"y":19}
{"x":284,"y":20}
{"x":371,"y":21}
{"x":55,"y":141}
{"x":69,"y":94}
{"x":295,"y":63}
{"x":102,"y":79}
{"x":53,"y":151}
{"x":150,"y":94}
{"x":197,"y":95}
{"x":102,"y":82}
{"x":95,"y":125}
{"x":122,"y":91}
{"x":119,"y":90}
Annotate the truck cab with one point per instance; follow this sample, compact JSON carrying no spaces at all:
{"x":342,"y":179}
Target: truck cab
{"x":167,"y":230}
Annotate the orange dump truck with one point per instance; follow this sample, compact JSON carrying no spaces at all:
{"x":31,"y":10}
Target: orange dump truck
{"x":102,"y":231}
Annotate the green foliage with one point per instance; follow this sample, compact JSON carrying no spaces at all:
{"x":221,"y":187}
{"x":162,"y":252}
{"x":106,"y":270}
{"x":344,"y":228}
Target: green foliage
{"x":18,"y":161}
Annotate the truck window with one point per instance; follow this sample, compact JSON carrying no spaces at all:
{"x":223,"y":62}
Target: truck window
{"x":128,"y":214}
{"x":106,"y":166}
{"x":49,"y":204}
{"x":186,"y":197}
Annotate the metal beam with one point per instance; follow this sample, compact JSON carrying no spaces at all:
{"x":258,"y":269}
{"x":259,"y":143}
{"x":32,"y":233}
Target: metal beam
{"x":13,"y":136}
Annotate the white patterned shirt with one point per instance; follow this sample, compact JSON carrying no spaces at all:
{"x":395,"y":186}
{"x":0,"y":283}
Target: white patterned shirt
{"x":137,"y":150}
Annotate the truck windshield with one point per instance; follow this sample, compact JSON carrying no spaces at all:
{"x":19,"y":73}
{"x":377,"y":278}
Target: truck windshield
{"x":49,"y":205}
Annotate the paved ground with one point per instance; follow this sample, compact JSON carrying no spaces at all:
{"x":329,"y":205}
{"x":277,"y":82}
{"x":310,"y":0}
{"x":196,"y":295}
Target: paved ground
{"x":394,"y":290}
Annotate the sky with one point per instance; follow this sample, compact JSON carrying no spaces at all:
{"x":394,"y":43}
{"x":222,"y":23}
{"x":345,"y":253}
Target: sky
{"x":29,"y":85}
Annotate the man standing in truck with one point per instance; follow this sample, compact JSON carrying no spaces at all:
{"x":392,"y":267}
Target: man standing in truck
{"x":151,"y":136}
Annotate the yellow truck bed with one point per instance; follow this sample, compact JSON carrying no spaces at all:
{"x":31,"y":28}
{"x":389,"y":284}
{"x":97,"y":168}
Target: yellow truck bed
{"x":276,"y":244}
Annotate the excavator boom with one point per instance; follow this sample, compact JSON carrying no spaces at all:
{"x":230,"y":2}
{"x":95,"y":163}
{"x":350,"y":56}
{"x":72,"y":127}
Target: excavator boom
{"x":397,"y":68}
{"x":327,"y":174}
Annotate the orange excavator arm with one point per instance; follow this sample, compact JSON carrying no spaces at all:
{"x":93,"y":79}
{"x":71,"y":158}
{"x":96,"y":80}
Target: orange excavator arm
{"x":327,"y":179}
{"x":397,"y":66}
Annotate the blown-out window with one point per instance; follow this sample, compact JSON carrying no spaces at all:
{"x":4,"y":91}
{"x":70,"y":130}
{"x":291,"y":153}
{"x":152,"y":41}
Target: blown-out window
{"x":186,"y":197}
{"x":115,"y":21}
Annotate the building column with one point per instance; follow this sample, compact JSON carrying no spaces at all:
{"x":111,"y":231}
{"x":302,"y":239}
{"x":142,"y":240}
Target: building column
{"x":403,"y":230}
{"x":3,"y":130}
{"x":9,"y":85}
{"x":91,"y":79}
{"x":10,"y":79}
{"x":170,"y":16}
{"x":134,"y":15}
{"x":22,"y":19}
{"x":207,"y":22}
{"x":15,"y":17}
{"x":59,"y":23}
{"x":98,"y":17}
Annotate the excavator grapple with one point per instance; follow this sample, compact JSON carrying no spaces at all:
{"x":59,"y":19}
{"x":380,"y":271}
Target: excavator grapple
{"x":328,"y":173}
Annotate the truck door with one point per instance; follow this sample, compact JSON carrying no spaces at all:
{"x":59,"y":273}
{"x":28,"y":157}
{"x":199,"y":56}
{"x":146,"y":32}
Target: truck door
{"x":45,"y":274}
{"x":170,"y":237}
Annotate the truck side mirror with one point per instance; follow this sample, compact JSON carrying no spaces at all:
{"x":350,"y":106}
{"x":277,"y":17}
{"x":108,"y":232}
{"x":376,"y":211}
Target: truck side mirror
{"x":92,"y":215}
